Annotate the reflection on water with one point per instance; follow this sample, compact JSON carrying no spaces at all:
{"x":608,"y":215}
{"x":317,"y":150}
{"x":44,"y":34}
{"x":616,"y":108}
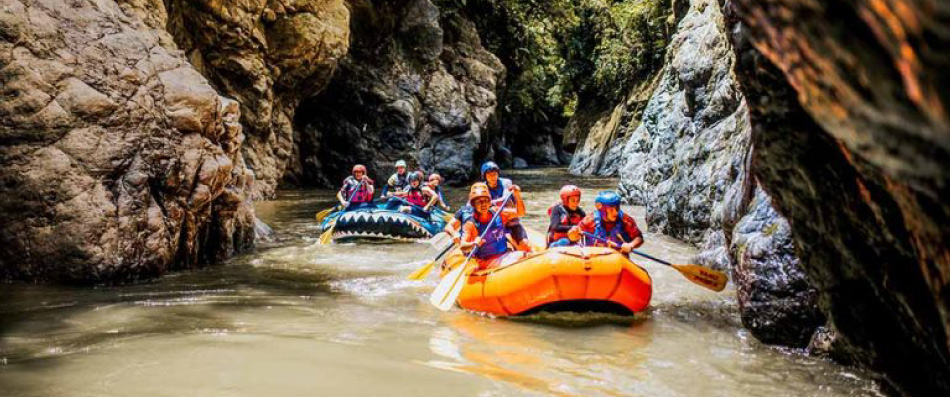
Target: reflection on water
{"x":298,"y":318}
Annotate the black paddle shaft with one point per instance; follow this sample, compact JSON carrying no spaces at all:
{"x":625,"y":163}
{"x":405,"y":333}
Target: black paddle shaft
{"x":650,"y":257}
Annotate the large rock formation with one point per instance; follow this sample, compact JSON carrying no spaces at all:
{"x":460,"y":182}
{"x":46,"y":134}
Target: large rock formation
{"x":848,"y":103}
{"x":686,"y":159}
{"x":118,"y":159}
{"x":416,"y":86}
{"x":268,"y":55}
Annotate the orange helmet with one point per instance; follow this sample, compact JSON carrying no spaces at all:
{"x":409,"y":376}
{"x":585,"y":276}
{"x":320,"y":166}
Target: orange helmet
{"x":359,"y":168}
{"x":478,"y":190}
{"x":569,"y":191}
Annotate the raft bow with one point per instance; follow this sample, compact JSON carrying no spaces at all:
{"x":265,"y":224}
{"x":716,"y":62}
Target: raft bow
{"x":381,"y":224}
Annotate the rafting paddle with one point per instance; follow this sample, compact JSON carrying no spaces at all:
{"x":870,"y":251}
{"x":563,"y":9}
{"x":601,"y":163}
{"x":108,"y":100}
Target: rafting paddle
{"x":324,"y":213}
{"x":435,"y":241}
{"x":423,"y":271}
{"x":699,"y":275}
{"x":327,"y":235}
{"x":448,"y":290}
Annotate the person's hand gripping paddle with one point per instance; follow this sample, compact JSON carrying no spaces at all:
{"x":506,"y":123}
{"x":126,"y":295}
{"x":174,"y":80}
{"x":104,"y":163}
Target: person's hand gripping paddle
{"x":451,"y":285}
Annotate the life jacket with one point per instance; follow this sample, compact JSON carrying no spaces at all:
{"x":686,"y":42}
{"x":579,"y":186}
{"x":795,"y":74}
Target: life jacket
{"x":495,"y":242}
{"x":572,"y":219}
{"x":617,"y":233}
{"x":498,"y":192}
{"x":399,"y":181}
{"x":415,"y":197}
{"x":362,"y":195}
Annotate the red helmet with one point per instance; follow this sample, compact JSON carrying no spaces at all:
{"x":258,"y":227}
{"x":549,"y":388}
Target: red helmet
{"x":359,"y":168}
{"x":478,"y":190}
{"x":569,"y":190}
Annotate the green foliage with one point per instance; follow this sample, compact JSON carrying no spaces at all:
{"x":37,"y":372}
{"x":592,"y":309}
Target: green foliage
{"x":560,"y":52}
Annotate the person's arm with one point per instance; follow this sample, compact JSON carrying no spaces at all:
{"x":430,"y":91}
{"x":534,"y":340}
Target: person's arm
{"x":433,"y":197}
{"x":557,"y":220}
{"x":519,"y":203}
{"x":339,"y":197}
{"x":369,"y":185}
{"x":630,"y":227}
{"x":470,"y":237}
{"x":575,"y":233}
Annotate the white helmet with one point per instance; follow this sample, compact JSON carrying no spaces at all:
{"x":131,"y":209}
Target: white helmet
{"x":401,"y":163}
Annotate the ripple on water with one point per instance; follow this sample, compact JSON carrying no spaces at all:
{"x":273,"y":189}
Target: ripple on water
{"x":298,"y":318}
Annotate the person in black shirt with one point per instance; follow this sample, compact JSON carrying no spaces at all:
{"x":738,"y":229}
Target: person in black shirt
{"x":564,"y":216}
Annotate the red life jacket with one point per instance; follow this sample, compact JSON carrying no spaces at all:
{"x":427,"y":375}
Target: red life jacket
{"x":415,"y":197}
{"x":617,"y":232}
{"x":361,"y":196}
{"x":572,"y":219}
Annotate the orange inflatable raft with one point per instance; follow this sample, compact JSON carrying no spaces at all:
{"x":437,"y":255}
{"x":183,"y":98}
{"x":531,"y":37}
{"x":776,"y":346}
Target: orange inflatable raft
{"x":558,"y":279}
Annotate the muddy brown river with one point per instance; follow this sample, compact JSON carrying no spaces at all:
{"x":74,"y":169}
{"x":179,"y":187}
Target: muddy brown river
{"x":296,"y":318}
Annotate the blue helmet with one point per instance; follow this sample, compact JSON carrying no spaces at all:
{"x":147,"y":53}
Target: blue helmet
{"x":608,"y":198}
{"x":489,"y":166}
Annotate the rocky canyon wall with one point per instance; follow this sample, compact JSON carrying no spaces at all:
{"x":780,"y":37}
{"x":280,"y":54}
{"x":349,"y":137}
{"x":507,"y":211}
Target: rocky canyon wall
{"x":117,"y":159}
{"x":681,"y":145}
{"x":269,"y":56}
{"x":851,"y":136}
{"x":416,"y":85}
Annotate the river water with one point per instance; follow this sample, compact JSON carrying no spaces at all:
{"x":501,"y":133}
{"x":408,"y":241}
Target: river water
{"x":296,"y":318}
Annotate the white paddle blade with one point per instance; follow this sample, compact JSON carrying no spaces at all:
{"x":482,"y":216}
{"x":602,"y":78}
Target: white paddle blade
{"x":439,"y":240}
{"x":449,"y":289}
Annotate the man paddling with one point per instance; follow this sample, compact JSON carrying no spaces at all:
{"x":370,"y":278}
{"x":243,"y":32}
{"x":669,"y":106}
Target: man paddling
{"x":496,"y":189}
{"x":398,"y":181}
{"x":490,"y":249}
{"x":609,"y":224}
{"x":357,"y":188}
{"x":564,"y":216}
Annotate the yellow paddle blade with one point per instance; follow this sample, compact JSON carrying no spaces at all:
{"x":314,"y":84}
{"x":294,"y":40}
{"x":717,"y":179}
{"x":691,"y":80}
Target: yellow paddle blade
{"x":448,"y":290}
{"x":448,"y":217}
{"x":327,"y":236}
{"x":704,"y":276}
{"x":324,"y":213}
{"x":422,"y":272}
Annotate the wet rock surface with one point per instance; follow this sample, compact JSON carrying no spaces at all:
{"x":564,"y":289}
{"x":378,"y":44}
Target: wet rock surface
{"x":416,"y":86}
{"x":118,"y":159}
{"x":269,"y":56}
{"x":681,"y":146}
{"x":848,"y":110}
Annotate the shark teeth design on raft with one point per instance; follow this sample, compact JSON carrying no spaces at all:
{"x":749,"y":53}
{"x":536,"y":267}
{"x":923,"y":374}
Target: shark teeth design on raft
{"x":379,"y":225}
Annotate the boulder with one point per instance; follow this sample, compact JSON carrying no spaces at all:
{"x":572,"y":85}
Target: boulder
{"x":118,"y":160}
{"x":267,"y":55}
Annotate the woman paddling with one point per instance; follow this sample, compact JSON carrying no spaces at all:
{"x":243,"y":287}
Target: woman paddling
{"x":564,"y":216}
{"x":357,"y":188}
{"x":493,"y":247}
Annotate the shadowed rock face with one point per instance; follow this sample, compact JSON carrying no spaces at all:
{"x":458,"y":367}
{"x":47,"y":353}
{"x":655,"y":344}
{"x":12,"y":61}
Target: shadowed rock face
{"x":117,"y":159}
{"x":848,"y":103}
{"x":415,"y":86}
{"x":269,"y":56}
